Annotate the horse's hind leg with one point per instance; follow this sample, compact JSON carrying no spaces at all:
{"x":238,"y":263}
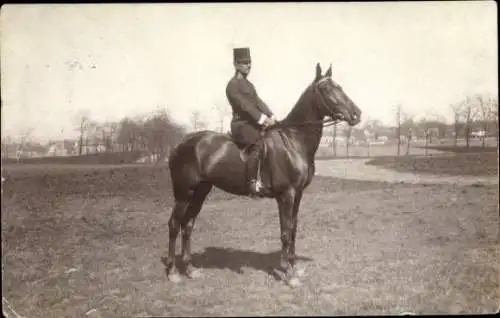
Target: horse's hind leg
{"x":174,"y":225}
{"x":288,"y":204}
{"x":195,"y":203}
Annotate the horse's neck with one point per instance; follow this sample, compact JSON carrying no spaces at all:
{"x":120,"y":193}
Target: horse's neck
{"x":305,"y":111}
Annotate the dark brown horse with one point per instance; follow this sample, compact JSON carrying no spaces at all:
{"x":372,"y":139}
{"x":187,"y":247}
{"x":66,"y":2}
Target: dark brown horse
{"x":205,"y":159}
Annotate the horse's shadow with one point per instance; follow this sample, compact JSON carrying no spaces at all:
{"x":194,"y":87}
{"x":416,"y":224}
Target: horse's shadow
{"x":236,"y":260}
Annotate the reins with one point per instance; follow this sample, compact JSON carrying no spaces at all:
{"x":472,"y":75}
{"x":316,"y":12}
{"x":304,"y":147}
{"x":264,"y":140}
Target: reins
{"x":324,"y":122}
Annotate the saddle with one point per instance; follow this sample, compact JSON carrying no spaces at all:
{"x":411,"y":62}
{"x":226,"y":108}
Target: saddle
{"x":262,"y":170}
{"x":244,"y":148}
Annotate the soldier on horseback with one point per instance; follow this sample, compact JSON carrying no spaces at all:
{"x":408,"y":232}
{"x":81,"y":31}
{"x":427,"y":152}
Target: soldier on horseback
{"x":250,"y":115}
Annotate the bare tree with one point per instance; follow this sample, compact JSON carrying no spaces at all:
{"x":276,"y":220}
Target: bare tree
{"x":403,"y":121}
{"x":7,"y":143}
{"x":438,"y":122}
{"x":468,"y":113}
{"x":486,"y":108}
{"x":162,"y":134}
{"x":374,"y":127}
{"x":197,"y":122}
{"x":368,"y":138}
{"x":408,"y":141}
{"x":398,"y":128}
{"x":93,"y":136}
{"x":25,"y":137}
{"x":457,"y":116}
{"x":334,"y":141}
{"x":127,"y":135}
{"x":82,"y":120}
{"x":358,"y":134}
{"x":108,"y":135}
{"x":347,"y":134}
{"x":423,"y":130}
{"x":222,"y":112}
{"x":407,"y":124}
{"x":494,"y":117}
{"x":433,"y":125}
{"x":23,"y":141}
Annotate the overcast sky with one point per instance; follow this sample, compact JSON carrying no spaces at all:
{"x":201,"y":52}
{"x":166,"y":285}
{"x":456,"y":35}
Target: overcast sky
{"x":123,"y":59}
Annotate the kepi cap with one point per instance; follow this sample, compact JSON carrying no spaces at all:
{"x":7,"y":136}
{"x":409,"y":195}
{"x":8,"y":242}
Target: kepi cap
{"x":241,"y":54}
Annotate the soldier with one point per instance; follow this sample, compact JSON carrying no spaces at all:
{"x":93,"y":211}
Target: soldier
{"x":250,"y":114}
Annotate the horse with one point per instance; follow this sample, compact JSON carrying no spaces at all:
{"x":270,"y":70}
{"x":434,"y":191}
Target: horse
{"x":204,"y":159}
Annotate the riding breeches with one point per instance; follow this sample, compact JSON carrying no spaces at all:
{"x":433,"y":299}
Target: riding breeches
{"x":245,"y":134}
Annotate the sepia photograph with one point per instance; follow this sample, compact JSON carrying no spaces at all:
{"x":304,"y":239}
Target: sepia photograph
{"x":249,"y":159}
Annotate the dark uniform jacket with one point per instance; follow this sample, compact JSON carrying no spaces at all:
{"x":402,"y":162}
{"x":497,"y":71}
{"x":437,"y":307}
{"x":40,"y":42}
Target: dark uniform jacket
{"x":247,"y":109}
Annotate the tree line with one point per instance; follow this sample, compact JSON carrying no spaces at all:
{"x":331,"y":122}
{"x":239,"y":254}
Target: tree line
{"x":155,"y":133}
{"x":476,"y":113}
{"x":152,"y":134}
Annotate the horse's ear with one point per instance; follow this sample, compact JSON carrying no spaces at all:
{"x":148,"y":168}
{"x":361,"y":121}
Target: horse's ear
{"x":318,"y":71}
{"x":329,"y":71}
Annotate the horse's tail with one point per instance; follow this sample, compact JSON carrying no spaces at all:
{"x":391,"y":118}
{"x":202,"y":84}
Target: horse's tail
{"x":180,"y":147}
{"x":184,"y":169}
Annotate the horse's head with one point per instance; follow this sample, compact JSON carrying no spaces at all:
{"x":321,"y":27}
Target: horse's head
{"x":332,"y":100}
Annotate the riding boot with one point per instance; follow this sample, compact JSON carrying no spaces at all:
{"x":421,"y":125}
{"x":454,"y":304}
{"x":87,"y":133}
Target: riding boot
{"x":254,"y":184}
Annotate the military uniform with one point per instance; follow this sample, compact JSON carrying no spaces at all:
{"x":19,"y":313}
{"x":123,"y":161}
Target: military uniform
{"x":249,"y":114}
{"x":249,"y":110}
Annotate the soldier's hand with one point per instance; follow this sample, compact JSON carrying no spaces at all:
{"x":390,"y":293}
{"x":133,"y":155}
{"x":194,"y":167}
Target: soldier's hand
{"x":269,"y":122}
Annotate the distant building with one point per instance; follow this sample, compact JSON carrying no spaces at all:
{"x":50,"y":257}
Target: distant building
{"x":57,"y":149}
{"x":382,"y":138}
{"x":327,"y":141}
{"x":87,"y":149}
{"x":60,"y":148}
{"x":478,"y":134}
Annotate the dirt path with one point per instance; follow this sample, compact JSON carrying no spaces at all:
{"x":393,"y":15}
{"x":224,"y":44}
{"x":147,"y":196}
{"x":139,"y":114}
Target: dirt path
{"x":357,"y":169}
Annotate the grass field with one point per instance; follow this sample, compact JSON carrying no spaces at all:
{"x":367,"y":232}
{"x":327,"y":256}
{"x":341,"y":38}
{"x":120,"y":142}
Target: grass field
{"x":83,"y":241}
{"x":373,"y":151}
{"x":462,"y":149}
{"x":465,"y":161}
{"x":105,"y":158}
{"x":417,"y":148}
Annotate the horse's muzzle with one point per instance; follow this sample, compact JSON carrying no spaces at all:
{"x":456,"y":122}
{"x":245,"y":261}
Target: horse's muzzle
{"x":355,"y":119}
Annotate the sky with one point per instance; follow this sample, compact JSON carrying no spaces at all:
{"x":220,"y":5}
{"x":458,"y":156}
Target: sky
{"x":116,"y":60}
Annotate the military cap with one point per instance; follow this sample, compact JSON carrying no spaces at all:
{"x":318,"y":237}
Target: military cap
{"x":241,"y":54}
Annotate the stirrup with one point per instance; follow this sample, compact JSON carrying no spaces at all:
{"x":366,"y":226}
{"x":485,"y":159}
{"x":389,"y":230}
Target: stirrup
{"x":258,"y":185}
{"x":256,"y":188}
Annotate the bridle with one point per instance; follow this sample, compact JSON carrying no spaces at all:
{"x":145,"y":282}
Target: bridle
{"x":321,"y":101}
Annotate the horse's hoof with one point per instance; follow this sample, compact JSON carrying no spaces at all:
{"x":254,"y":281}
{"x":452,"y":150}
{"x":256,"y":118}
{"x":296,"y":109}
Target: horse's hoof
{"x":174,"y":278}
{"x":193,"y":273}
{"x":300,"y":272}
{"x":166,"y":261}
{"x":294,"y":282}
{"x":284,"y":265}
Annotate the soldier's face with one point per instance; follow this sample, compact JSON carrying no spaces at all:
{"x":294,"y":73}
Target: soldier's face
{"x":243,"y":67}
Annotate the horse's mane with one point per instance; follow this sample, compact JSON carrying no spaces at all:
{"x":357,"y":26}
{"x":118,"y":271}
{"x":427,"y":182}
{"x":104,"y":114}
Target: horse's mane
{"x":296,"y":114}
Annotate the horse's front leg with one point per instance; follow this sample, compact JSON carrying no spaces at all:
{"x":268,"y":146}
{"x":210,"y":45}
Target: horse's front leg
{"x":187,"y":229}
{"x":285,"y":206}
{"x":174,"y":225}
{"x":295,"y":212}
